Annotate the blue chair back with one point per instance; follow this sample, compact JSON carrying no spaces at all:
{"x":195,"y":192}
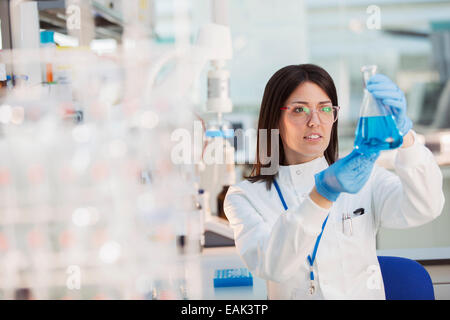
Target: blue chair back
{"x":405,"y":279}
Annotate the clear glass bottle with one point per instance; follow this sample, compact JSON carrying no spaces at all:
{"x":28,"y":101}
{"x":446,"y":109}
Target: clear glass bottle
{"x":218,"y":158}
{"x":376,"y":128}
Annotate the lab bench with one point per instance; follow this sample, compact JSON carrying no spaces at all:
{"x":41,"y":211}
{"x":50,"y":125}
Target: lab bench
{"x":213,"y":259}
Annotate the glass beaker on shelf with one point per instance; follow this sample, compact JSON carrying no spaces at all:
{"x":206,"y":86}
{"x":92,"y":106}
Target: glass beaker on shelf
{"x":376,"y":129}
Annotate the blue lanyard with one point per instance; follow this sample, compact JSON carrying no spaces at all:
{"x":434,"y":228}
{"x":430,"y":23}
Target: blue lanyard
{"x":280,"y":194}
{"x":310,"y":259}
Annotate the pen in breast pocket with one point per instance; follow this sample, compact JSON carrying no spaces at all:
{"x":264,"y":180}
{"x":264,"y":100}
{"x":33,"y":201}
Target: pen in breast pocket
{"x":347,"y":220}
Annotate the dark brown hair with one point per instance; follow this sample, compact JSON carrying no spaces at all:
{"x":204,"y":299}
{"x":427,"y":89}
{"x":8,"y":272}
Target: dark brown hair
{"x":277,"y":91}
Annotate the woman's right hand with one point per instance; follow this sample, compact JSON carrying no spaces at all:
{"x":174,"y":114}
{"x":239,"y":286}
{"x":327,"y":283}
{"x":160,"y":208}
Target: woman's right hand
{"x":348,"y":174}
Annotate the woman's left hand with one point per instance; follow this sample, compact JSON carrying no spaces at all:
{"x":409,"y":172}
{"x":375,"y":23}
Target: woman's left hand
{"x":385,"y":90}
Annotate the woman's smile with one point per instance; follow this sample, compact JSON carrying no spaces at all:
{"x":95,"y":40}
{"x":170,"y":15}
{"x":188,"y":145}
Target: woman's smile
{"x":313,"y":137}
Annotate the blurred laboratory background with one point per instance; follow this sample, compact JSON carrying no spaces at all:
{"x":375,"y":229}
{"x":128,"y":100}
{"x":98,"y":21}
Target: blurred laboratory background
{"x":97,"y":98}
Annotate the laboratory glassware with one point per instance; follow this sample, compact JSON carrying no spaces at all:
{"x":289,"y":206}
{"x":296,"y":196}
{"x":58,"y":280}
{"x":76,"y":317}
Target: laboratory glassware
{"x":376,"y":128}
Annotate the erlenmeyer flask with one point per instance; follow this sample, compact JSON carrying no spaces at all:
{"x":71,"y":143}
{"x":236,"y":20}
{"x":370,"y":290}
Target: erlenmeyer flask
{"x":376,"y":128}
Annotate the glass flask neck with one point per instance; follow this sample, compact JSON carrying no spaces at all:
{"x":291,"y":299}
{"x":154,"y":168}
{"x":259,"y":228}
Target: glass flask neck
{"x":367,"y":72}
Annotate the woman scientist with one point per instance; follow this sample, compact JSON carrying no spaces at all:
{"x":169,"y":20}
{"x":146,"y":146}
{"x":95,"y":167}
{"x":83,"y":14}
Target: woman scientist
{"x":317,"y":199}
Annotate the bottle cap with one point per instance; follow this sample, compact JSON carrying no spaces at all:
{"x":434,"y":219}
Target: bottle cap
{"x":47,"y":37}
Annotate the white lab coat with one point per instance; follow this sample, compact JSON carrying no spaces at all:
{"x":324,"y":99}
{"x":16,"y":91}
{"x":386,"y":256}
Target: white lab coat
{"x":274,"y":243}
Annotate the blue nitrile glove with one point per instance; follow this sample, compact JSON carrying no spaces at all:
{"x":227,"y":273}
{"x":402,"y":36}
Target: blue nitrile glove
{"x":386,"y":91}
{"x":348,"y":174}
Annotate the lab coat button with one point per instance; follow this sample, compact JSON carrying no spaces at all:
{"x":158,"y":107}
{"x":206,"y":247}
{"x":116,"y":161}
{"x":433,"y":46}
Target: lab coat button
{"x":299,"y":172}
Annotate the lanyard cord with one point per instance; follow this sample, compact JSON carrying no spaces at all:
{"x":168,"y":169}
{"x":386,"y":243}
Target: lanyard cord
{"x":280,"y":194}
{"x":313,"y":258}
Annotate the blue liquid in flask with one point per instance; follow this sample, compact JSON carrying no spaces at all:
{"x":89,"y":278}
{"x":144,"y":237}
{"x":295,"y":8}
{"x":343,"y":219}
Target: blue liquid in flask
{"x":377,"y":133}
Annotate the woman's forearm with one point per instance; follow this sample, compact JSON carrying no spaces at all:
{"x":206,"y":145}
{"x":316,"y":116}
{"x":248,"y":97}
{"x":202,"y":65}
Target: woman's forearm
{"x":408,"y":140}
{"x":320,"y":200}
